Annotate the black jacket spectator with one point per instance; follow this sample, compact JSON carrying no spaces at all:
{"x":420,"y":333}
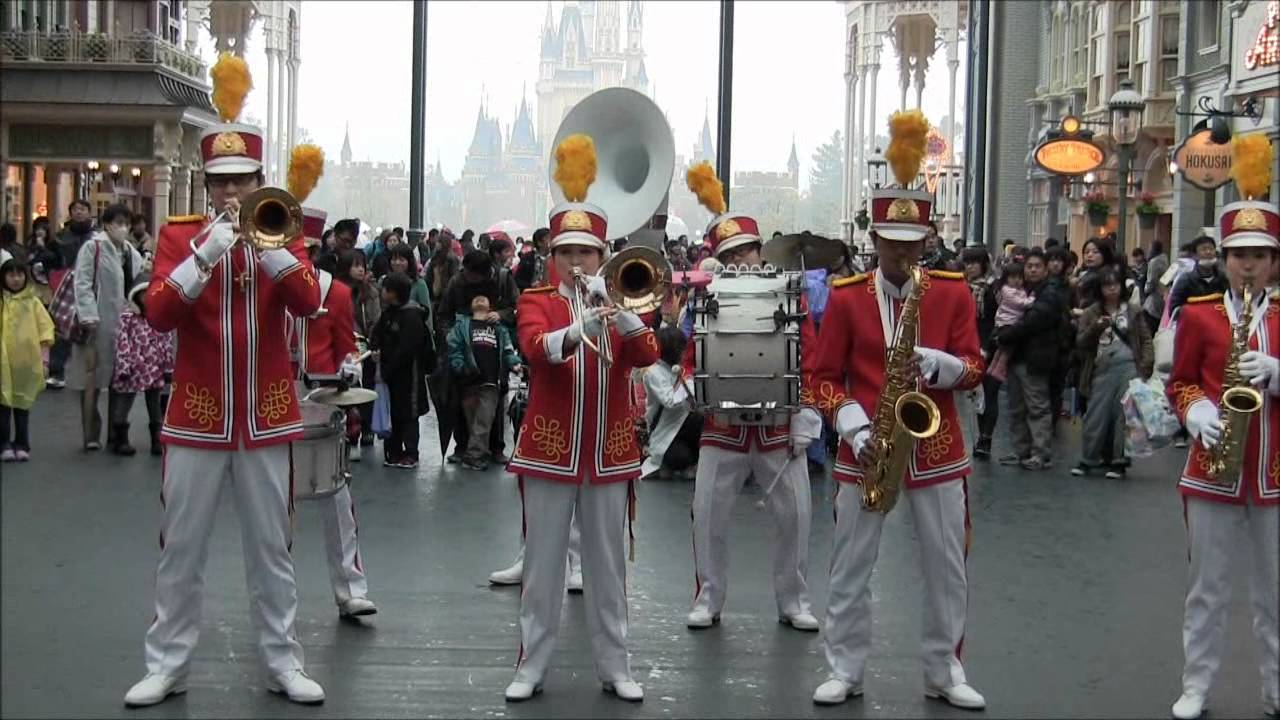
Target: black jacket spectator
{"x":497,"y":284}
{"x":1195,"y":283}
{"x":1036,"y":339}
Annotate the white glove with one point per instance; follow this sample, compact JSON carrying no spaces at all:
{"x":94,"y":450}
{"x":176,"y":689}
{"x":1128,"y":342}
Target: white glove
{"x":1203,"y":422}
{"x":940,"y":370}
{"x":214,"y":247}
{"x":1259,"y":368}
{"x":351,"y":371}
{"x":858,"y":440}
{"x":592,"y":325}
{"x":806,"y":426}
{"x":596,"y":289}
{"x":627,"y":322}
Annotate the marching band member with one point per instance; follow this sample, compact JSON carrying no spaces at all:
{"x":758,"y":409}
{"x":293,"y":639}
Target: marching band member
{"x":858,"y":326}
{"x":1231,"y":516}
{"x":233,"y":411}
{"x":577,"y":450}
{"x":729,"y":454}
{"x":326,"y":346}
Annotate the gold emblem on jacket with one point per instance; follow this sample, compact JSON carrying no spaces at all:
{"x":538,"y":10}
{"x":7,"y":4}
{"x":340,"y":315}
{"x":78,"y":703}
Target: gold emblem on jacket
{"x":201,"y":406}
{"x":275,"y":402}
{"x":549,"y":438}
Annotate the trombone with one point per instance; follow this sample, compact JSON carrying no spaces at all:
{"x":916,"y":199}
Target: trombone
{"x":637,"y":280}
{"x":269,"y":218}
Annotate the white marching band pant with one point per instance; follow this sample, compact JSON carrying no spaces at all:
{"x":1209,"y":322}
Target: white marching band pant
{"x":720,"y":477}
{"x":193,"y":481}
{"x":938,"y":516}
{"x":548,"y":510}
{"x":575,"y":546}
{"x":1218,"y":534}
{"x":342,"y":545}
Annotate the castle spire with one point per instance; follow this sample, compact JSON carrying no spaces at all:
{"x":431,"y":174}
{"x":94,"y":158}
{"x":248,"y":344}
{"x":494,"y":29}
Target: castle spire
{"x":346,"y":145}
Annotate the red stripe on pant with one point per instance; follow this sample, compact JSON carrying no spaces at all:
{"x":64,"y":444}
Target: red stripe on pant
{"x":520,"y":485}
{"x":968,"y":536}
{"x":1186,"y":525}
{"x":693,"y":530}
{"x":356,"y":532}
{"x":289,"y":545}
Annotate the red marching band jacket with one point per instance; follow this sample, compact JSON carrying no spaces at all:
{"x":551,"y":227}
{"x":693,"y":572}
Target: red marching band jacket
{"x":1200,"y":353}
{"x":850,"y":359}
{"x":232,"y":381}
{"x":741,"y":438}
{"x":579,"y":423}
{"x":329,"y":336}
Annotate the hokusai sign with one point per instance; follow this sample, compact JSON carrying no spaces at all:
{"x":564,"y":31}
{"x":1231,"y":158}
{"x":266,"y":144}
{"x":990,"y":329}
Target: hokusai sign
{"x":1069,"y":156}
{"x":1202,"y":162}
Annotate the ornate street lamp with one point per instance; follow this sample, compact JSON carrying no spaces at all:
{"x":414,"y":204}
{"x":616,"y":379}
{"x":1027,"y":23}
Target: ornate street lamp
{"x":1126,"y":108}
{"x":878,"y":168}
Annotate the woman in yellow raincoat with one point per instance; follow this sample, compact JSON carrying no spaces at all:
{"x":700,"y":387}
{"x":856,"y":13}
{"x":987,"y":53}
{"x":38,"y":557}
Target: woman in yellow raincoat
{"x":26,"y":332}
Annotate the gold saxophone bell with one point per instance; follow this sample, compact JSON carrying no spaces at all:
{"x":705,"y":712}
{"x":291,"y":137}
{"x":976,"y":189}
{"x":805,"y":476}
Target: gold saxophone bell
{"x":1239,"y":403}
{"x":270,"y":217}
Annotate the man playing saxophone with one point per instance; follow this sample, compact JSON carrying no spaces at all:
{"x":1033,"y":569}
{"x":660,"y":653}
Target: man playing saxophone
{"x":927,"y":319}
{"x":1225,"y":387}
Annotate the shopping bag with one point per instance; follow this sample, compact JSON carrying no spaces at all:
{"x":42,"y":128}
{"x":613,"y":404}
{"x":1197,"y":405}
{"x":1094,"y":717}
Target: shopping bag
{"x":382,"y":412}
{"x":998,"y":368}
{"x":1153,"y":408}
{"x":1137,"y":443}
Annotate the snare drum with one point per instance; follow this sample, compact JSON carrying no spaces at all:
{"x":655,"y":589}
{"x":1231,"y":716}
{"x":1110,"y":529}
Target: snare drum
{"x":748,"y":348}
{"x":320,"y":466}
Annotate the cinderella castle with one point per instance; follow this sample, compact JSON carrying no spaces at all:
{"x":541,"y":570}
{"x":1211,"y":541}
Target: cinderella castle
{"x":504,"y":174}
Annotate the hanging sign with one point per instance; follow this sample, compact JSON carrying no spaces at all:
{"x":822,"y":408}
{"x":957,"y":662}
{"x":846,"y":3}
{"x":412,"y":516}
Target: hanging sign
{"x":1266,"y":47}
{"x":1069,"y":156}
{"x":1202,"y":162}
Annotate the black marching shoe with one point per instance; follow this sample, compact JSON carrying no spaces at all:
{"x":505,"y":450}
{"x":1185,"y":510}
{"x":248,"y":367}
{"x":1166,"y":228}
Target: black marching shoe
{"x":982,"y":449}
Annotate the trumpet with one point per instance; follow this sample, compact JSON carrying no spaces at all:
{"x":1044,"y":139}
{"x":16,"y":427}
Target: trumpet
{"x":637,"y":280}
{"x":269,"y":218}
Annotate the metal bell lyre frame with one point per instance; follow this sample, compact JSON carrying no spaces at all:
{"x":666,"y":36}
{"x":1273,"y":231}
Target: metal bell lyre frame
{"x":580,"y":304}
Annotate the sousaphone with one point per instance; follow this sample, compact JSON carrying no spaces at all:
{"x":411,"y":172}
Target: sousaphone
{"x":635,"y":161}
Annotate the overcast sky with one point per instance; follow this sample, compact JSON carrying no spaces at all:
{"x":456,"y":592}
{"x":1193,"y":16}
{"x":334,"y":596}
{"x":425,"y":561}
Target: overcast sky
{"x":788,"y":74}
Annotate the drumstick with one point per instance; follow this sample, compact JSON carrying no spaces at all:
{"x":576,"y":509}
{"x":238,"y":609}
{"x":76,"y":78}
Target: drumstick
{"x":776,"y":478}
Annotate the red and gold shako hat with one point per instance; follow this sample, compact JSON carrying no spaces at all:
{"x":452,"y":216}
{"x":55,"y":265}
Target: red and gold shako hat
{"x":231,"y":148}
{"x":901,"y":213}
{"x":726,"y":230}
{"x":575,"y":221}
{"x":1251,"y":222}
{"x":729,"y":231}
{"x":313,"y":225}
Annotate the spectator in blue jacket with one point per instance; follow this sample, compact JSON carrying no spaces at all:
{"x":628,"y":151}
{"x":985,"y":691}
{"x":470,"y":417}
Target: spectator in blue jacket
{"x":480,"y":356}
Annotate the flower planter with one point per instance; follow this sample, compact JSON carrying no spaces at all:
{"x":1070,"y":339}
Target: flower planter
{"x":1147,"y":221}
{"x":1098,"y":218}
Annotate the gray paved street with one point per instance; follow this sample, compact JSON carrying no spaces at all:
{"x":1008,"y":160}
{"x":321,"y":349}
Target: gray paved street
{"x":1076,"y":600}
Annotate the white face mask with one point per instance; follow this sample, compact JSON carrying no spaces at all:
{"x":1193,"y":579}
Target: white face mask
{"x":117,"y":233}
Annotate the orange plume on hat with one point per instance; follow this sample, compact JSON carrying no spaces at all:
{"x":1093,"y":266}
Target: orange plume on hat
{"x":1252,"y":158}
{"x":908,"y":132}
{"x":306,"y":165}
{"x":702,"y":181}
{"x":231,"y":84}
{"x":575,"y":166}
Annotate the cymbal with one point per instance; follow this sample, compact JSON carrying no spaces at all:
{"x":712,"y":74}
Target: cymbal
{"x":352,"y":396}
{"x":819,"y":253}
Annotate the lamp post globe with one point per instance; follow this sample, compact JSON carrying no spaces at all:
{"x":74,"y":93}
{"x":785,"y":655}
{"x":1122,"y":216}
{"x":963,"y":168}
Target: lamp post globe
{"x":1126,"y":107}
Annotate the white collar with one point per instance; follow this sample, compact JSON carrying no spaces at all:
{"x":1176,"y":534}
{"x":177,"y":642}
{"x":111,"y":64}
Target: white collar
{"x":894,"y":291}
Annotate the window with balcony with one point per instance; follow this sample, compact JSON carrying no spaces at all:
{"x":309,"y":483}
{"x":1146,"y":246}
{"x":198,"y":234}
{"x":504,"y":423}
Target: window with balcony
{"x":1056,"y":52}
{"x":1097,"y":63}
{"x":1081,"y":47}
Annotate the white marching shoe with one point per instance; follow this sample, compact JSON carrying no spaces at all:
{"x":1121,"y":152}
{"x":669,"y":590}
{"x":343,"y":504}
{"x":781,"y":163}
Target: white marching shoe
{"x":154,"y":688}
{"x":574,"y":583}
{"x":961,"y":696}
{"x":701,"y":618}
{"x":800,"y":621}
{"x":1188,"y":707}
{"x":628,"y":690}
{"x":510,"y":576}
{"x":519,"y":690}
{"x":297,"y":687}
{"x":356,"y":607}
{"x":836,"y":691}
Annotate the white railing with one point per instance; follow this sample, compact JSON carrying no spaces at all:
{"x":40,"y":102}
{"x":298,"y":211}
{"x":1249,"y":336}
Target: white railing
{"x":78,"y":47}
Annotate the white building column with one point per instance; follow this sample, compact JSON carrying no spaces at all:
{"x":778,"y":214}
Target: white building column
{"x":199,"y":198}
{"x":860,"y":158}
{"x":162,"y":174}
{"x":268,"y":147}
{"x":904,"y":80}
{"x":919,"y":73}
{"x":294,"y":65}
{"x":872,"y":121}
{"x":846,"y":179}
{"x":282,"y":117}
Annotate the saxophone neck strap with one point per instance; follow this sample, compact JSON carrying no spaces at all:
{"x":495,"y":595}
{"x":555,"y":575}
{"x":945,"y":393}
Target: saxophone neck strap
{"x":1231,"y":301}
{"x":889,"y":298}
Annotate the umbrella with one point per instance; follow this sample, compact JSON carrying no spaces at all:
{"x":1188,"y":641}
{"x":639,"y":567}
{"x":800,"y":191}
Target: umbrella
{"x":447,"y":402}
{"x":513,"y":228}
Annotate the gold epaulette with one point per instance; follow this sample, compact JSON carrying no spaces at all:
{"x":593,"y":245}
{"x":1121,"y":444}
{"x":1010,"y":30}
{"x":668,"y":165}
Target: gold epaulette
{"x":859,"y":278}
{"x":1205,"y":298}
{"x":185,"y":219}
{"x":946,"y":274}
{"x":539,"y":289}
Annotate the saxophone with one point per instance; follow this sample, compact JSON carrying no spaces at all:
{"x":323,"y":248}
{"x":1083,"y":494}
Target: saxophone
{"x":1238,"y":404}
{"x":903,"y":414}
